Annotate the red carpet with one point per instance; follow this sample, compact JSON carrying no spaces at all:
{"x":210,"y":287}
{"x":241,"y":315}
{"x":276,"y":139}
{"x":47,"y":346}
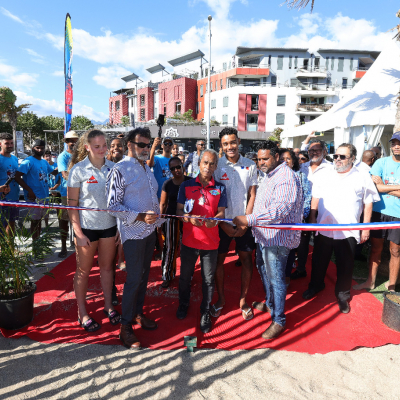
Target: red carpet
{"x":314,"y":326}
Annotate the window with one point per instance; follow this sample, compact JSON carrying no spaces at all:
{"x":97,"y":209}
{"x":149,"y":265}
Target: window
{"x":254,"y":102}
{"x":178,"y":107}
{"x":225,"y":119}
{"x":213,"y":103}
{"x":332,"y":63}
{"x":132,"y":102}
{"x":199,"y":106}
{"x":269,"y":61}
{"x":206,"y":87}
{"x":155,"y":112}
{"x":351,"y":64}
{"x":234,"y":121}
{"x":164,"y":95}
{"x":327,"y":63}
{"x":220,"y":84}
{"x":280,"y":119}
{"x":290,"y":62}
{"x":280,"y":62}
{"x":117,"y":107}
{"x":224,"y":66}
{"x":305,"y":63}
{"x":111,"y":106}
{"x":344,"y":83}
{"x":340,"y":64}
{"x":201,"y":90}
{"x":225,"y":102}
{"x":273,"y":80}
{"x":295,"y":61}
{"x":165,"y":109}
{"x":316,"y":63}
{"x":211,"y":86}
{"x":177,"y":92}
{"x":281,"y":101}
{"x":142,"y":114}
{"x":142,"y":100}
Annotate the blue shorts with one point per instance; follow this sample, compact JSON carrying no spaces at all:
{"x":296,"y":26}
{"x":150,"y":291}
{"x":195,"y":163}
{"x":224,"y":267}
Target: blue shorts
{"x":9,"y":214}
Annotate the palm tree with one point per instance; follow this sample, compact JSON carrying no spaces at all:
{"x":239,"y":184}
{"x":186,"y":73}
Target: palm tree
{"x":9,"y":111}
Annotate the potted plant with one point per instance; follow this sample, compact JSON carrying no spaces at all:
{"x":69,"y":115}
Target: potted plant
{"x":18,"y":257}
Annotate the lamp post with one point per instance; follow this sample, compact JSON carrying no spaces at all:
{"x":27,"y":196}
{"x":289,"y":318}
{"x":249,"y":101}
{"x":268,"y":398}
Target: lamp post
{"x":209,"y":85}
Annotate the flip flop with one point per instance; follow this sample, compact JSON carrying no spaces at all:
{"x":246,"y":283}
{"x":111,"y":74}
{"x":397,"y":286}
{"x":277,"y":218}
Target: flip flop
{"x":215,"y":312}
{"x":247,"y":315}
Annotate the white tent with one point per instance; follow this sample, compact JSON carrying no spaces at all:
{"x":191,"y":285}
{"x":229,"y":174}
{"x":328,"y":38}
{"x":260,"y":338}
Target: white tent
{"x":365,"y":112}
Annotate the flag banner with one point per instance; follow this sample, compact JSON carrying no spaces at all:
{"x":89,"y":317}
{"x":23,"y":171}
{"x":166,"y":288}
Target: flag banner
{"x":292,"y":227}
{"x":68,"y":73}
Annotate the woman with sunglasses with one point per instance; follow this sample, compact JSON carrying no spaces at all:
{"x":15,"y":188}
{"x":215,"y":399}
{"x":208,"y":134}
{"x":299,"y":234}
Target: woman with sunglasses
{"x":303,"y":157}
{"x":172,"y":227}
{"x":292,"y":162}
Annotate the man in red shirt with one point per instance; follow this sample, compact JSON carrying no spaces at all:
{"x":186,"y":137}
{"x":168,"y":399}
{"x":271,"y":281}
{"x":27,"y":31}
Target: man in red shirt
{"x":200,"y":197}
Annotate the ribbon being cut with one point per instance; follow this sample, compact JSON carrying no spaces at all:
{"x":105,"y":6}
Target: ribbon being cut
{"x":293,"y":227}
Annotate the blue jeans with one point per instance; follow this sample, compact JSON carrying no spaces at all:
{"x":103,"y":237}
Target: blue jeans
{"x":273,"y":277}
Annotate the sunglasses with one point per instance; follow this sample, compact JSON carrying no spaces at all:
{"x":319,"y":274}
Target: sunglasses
{"x":167,"y":144}
{"x":142,"y":145}
{"x":201,"y":145}
{"x":341,"y":156}
{"x":302,"y":158}
{"x":178,"y":167}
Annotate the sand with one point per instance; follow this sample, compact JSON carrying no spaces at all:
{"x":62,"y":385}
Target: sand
{"x":32,"y":370}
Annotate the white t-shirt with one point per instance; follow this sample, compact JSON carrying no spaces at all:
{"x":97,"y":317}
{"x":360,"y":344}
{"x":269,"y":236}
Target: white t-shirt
{"x":342,"y":198}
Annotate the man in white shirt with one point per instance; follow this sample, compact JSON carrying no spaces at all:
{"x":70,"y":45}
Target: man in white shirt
{"x":339,"y":199}
{"x":315,"y":170}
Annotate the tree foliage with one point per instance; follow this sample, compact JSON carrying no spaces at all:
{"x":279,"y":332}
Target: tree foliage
{"x":81,"y":123}
{"x":125,"y":120}
{"x":276,"y":135}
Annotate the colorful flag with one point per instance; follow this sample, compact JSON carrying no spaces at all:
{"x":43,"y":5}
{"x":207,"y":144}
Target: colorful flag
{"x":68,"y":73}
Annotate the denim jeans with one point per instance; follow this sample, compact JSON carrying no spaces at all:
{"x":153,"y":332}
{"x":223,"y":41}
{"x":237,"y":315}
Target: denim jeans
{"x":273,"y":278}
{"x":208,"y":262}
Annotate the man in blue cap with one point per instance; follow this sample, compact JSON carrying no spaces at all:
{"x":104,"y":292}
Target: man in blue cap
{"x":386,"y":176}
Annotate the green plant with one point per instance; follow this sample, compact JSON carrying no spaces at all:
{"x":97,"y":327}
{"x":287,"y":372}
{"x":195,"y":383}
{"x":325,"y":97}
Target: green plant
{"x":276,"y":135}
{"x":17,"y":257}
{"x":125,"y":121}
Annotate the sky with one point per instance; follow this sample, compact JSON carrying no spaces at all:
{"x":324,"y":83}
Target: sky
{"x":113,"y":39}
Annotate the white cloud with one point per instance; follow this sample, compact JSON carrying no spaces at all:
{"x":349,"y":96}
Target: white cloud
{"x":12,"y":16}
{"x":58,"y":73}
{"x":110,"y":77}
{"x":11,"y":75}
{"x":44,"y":107}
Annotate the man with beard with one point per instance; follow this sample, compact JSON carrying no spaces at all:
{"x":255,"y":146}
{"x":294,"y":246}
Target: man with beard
{"x":132,"y":197}
{"x":8,"y":168}
{"x":340,"y":198}
{"x":63,"y":160}
{"x":315,"y":170}
{"x":35,"y":183}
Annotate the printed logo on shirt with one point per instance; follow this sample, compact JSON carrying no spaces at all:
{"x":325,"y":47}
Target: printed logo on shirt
{"x":224,"y":177}
{"x":92,"y":179}
{"x":215,"y":192}
{"x":43,"y":177}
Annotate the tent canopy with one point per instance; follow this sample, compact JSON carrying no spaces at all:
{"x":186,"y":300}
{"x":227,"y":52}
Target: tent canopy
{"x":371,"y":102}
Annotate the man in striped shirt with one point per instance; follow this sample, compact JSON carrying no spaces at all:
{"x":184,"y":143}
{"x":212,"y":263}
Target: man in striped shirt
{"x":279,"y":200}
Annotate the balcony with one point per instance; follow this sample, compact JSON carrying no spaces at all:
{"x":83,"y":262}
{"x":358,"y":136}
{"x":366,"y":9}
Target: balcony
{"x":311,"y":72}
{"x":312,"y":109}
{"x":359,"y":72}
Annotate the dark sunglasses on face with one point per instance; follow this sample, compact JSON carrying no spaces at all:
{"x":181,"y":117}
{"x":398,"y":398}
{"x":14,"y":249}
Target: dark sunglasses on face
{"x":302,"y":158}
{"x":201,"y":145}
{"x":142,"y":145}
{"x":167,"y":144}
{"x":341,"y":156}
{"x":178,"y":167}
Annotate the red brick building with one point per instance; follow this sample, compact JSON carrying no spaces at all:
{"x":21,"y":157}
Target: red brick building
{"x":118,"y":106}
{"x":145,"y":103}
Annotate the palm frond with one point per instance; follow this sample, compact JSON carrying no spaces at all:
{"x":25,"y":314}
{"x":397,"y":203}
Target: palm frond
{"x":299,"y":4}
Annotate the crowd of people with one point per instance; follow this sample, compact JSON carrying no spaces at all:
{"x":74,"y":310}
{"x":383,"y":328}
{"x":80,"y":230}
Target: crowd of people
{"x":195,"y":207}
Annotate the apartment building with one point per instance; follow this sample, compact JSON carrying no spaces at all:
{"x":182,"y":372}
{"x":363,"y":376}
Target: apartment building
{"x":256,"y":90}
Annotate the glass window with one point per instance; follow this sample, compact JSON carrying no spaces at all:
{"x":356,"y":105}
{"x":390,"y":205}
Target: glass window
{"x":201,"y":90}
{"x":117,"y":105}
{"x":280,"y":119}
{"x":280,"y":62}
{"x":281,"y":101}
{"x":340,"y":64}
{"x":178,"y":107}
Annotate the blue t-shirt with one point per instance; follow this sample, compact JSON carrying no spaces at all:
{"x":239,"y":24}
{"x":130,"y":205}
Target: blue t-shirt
{"x":389,"y":171}
{"x":53,"y":179}
{"x":63,"y":161}
{"x":36,"y":176}
{"x":161,"y":171}
{"x":8,"y":167}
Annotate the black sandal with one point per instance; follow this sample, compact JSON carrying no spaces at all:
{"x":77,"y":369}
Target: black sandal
{"x":90,"y":325}
{"x":114,"y":297}
{"x":113,"y":315}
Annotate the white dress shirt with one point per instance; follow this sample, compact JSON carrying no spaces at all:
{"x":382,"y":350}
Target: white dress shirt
{"x":342,"y":198}
{"x":319,"y":173}
{"x":361,"y":166}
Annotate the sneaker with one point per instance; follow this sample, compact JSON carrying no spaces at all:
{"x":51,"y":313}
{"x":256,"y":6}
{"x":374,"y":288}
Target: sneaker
{"x":182,"y":311}
{"x":205,"y":322}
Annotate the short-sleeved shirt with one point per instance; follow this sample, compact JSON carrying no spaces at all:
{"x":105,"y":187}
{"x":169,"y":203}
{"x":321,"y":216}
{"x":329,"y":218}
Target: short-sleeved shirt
{"x":36,"y":176}
{"x":389,"y":171}
{"x":63,"y":161}
{"x":237,"y":178}
{"x":92,"y":193}
{"x":8,"y":168}
{"x":161,"y":171}
{"x":319,"y":173}
{"x":341,"y":200}
{"x":53,"y":179}
{"x":206,"y":202}
{"x":172,"y":191}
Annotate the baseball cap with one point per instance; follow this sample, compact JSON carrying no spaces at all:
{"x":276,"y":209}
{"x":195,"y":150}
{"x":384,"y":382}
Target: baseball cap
{"x":396,"y":135}
{"x":169,"y":139}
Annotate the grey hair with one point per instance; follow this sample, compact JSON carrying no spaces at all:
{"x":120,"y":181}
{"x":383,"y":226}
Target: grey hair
{"x":351,"y":147}
{"x":211,"y":151}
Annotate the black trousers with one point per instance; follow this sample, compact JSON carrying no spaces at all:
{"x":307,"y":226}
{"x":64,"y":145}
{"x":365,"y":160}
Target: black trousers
{"x":138,"y":255}
{"x":303,"y":250}
{"x":172,"y":232}
{"x":208,"y":262}
{"x":344,"y":252}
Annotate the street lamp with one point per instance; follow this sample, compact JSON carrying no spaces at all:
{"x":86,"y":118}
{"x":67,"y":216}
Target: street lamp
{"x":209,"y":85}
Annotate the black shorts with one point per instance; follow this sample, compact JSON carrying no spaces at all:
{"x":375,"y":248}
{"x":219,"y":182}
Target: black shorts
{"x":243,"y":243}
{"x":392,"y":235}
{"x":94,"y":235}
